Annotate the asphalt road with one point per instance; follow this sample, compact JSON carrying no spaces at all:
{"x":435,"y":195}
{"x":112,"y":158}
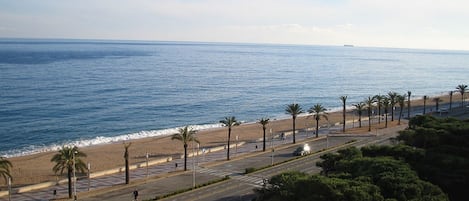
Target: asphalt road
{"x":240,"y":187}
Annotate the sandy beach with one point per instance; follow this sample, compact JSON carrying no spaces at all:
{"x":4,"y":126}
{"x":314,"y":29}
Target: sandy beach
{"x":37,"y":168}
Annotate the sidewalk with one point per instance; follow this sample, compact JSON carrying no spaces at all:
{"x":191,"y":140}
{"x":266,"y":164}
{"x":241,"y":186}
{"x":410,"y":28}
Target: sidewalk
{"x":83,"y":186}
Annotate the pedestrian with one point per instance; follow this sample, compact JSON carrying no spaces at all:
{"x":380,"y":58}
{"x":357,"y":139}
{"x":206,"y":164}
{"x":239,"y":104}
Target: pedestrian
{"x":135,"y":195}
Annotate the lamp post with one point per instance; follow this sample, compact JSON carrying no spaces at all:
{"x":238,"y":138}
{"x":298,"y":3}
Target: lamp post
{"x":147,"y":156}
{"x":272,"y":145}
{"x":9,"y":188}
{"x":236,"y":147}
{"x":74,"y":176}
{"x":89,"y":176}
{"x":193,"y":164}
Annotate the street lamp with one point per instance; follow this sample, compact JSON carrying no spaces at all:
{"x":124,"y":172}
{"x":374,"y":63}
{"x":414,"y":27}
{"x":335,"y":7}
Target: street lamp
{"x":272,"y":145}
{"x":236,"y":147}
{"x":89,"y":176}
{"x":74,"y":176}
{"x":9,"y":188}
{"x":193,"y":163}
{"x":147,"y":156}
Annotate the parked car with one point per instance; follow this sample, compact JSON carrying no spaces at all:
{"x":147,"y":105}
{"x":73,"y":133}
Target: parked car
{"x":303,"y":150}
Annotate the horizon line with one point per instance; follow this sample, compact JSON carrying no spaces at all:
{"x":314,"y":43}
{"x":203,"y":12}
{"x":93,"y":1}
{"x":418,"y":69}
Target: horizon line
{"x":230,"y":42}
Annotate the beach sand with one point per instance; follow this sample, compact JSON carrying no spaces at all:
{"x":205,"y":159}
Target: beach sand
{"x":37,"y":168}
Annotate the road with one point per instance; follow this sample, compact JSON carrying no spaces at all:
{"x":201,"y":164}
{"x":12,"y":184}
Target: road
{"x":240,"y":186}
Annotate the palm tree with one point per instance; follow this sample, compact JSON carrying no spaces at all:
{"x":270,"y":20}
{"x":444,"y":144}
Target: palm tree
{"x":408,"y":104}
{"x":379,"y":102}
{"x":126,"y":158}
{"x":263,"y":122}
{"x":185,"y":135}
{"x":401,"y":101}
{"x":462,"y":89}
{"x":344,"y":100}
{"x":450,"y":100}
{"x":69,"y":158}
{"x":369,"y":105}
{"x":359,"y":107}
{"x":386,"y":103}
{"x":229,"y":122}
{"x":437,"y":101}
{"x":294,"y":110}
{"x":392,"y":101}
{"x":5,"y":166}
{"x":424,"y":103}
{"x":318,"y":111}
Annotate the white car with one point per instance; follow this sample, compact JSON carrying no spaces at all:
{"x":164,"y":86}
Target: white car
{"x":303,"y":150}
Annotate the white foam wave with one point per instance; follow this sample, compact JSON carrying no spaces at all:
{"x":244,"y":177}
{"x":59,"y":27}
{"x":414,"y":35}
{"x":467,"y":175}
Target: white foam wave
{"x":35,"y":149}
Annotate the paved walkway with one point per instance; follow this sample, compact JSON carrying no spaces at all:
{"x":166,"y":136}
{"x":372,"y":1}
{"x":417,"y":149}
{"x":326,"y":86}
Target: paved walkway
{"x":140,"y":174}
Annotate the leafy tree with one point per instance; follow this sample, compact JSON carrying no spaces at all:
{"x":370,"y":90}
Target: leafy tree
{"x":5,"y":166}
{"x":294,"y":110}
{"x":318,"y":111}
{"x":462,"y":89}
{"x":344,"y":100}
{"x":299,"y":186}
{"x":369,"y":106}
{"x":185,"y":135}
{"x":445,"y":141}
{"x":66,"y":159}
{"x":263,"y":122}
{"x":359,"y":107}
{"x":229,"y":122}
{"x":392,"y":101}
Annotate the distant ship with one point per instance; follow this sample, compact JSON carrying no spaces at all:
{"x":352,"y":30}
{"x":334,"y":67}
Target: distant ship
{"x":348,"y":45}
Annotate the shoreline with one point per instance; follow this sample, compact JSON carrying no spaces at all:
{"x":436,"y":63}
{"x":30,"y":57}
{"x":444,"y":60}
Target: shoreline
{"x":106,"y":140}
{"x":108,"y":156}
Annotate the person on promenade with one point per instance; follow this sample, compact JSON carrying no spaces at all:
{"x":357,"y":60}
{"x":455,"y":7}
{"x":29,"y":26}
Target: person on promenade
{"x":135,"y":195}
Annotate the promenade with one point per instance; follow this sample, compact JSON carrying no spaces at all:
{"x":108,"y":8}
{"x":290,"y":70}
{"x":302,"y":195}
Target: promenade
{"x":173,"y":177}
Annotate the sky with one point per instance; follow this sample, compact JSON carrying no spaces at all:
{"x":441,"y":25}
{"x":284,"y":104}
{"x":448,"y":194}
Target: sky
{"x":423,"y":24}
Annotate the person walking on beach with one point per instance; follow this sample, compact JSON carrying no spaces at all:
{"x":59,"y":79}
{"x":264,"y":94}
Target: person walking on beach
{"x":135,"y":195}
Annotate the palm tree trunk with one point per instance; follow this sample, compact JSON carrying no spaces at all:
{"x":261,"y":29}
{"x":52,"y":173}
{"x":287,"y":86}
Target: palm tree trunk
{"x":185,"y":157}
{"x":294,"y":137}
{"x":359,"y":121}
{"x":69,"y":175}
{"x":462,"y":99}
{"x":369,"y":121}
{"x":127,"y":176}
{"x":263,"y":145}
{"x":317,"y":127}
{"x":392,"y":113}
{"x":343,"y":119}
{"x":386,"y":124}
{"x":228,"y":148}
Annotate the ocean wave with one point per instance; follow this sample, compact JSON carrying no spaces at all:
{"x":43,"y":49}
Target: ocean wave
{"x":100,"y":140}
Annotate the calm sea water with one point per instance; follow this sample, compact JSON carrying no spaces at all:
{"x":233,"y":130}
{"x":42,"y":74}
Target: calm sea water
{"x":54,"y":92}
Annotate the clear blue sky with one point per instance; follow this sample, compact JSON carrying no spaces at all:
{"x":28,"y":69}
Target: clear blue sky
{"x":435,"y":24}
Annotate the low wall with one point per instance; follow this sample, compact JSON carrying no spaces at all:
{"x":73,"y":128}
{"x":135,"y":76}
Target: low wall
{"x":92,"y":175}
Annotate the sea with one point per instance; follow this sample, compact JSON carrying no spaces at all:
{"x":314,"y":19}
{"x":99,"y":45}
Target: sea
{"x":56,"y":92}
